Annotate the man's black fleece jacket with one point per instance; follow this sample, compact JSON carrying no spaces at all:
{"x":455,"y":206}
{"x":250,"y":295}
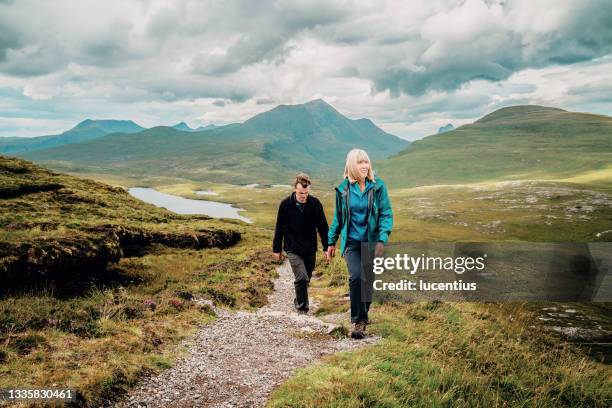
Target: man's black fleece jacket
{"x":298,"y":229}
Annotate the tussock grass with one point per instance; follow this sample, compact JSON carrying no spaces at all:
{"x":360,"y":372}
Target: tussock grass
{"x":70,"y":316}
{"x":114,"y":329}
{"x":102,"y":340}
{"x":438,"y":354}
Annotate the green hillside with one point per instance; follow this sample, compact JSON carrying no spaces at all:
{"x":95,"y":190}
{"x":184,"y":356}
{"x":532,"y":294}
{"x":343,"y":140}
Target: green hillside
{"x":519,"y":142}
{"x":98,"y":288}
{"x":55,"y":226}
{"x":268,"y":148}
{"x":85,"y":130}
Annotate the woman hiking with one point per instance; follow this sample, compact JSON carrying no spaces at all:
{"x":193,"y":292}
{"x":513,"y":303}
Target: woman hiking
{"x":363,"y":215}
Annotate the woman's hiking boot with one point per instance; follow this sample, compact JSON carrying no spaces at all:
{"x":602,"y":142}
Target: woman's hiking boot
{"x":358,"y":331}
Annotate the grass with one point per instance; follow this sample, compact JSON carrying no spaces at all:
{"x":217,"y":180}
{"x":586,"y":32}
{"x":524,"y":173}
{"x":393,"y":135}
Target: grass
{"x":330,"y":286}
{"x":101,"y":341}
{"x":438,"y":354}
{"x":57,"y":224}
{"x":524,"y":210}
{"x":529,"y":210}
{"x":261,"y":202}
{"x":598,"y":178}
{"x":98,"y":288}
{"x":432,"y":354}
{"x":444,"y":354}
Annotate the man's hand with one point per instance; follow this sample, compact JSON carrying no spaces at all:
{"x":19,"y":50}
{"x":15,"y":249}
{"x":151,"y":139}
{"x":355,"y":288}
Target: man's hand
{"x":276,"y":256}
{"x":379,"y":250}
{"x":331,"y":251}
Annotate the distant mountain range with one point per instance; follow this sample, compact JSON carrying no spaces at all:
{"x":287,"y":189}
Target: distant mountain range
{"x":518,"y":142}
{"x":270,"y":147}
{"x":185,"y":127}
{"x":86,"y":130}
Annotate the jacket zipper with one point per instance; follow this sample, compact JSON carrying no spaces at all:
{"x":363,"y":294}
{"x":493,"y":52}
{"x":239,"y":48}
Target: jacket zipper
{"x":369,"y":213}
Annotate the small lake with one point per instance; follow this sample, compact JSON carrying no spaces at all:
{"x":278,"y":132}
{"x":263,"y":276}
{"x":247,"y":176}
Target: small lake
{"x":182,"y":205}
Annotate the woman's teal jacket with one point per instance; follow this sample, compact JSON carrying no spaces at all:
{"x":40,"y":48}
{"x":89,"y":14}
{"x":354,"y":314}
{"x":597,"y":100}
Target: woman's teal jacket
{"x":380,"y":215}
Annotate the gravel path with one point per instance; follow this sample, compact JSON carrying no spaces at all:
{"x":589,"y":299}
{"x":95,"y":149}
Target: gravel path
{"x":240,"y":358}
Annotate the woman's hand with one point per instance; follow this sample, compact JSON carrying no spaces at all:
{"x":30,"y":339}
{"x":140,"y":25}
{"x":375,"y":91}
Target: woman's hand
{"x":379,"y":250}
{"x":331,"y":251}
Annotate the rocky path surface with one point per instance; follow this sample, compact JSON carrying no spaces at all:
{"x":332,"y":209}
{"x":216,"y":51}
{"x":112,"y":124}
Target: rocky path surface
{"x":240,"y":358}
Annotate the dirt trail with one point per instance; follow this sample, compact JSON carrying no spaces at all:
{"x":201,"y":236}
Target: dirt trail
{"x":240,"y":358}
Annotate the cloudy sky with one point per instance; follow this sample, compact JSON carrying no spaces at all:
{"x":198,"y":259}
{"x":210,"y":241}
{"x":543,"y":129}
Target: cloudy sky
{"x":410,"y":66}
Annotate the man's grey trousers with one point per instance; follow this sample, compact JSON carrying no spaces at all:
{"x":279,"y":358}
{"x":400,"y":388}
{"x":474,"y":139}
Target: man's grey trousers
{"x":302,"y":266}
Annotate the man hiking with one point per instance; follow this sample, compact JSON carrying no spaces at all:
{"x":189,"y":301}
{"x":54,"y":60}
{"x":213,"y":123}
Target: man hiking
{"x":299,"y":218}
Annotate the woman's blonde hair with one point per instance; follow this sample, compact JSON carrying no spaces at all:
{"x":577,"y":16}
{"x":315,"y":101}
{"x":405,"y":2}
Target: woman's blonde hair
{"x":352,"y":159}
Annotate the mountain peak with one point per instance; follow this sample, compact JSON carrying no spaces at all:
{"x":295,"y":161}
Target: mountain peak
{"x":446,"y":128}
{"x":85,"y":122}
{"x":317,"y":101}
{"x":315,"y":111}
{"x":511,"y":113}
{"x":182,"y":126}
{"x":319,"y":105}
{"x":106,"y":126}
{"x":104,"y":122}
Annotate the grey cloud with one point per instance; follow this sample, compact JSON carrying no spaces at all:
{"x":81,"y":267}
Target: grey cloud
{"x":30,"y":61}
{"x":598,"y":92}
{"x":163,"y":84}
{"x":109,"y":48}
{"x":307,"y":14}
{"x":588,"y":35}
{"x":193,"y":49}
{"x":10,"y":35}
{"x":248,"y":50}
{"x":440,"y":78}
{"x":265,"y":101}
{"x":500,"y":53}
{"x":33,"y":43}
{"x":264,"y":32}
{"x":219,"y":102}
{"x":350,"y":36}
{"x":461,"y":105}
{"x":164,"y":23}
{"x":177,"y":90}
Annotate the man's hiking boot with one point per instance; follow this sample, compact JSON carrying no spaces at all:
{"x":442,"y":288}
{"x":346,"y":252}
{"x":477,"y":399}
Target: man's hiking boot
{"x":358,"y":331}
{"x":300,"y":311}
